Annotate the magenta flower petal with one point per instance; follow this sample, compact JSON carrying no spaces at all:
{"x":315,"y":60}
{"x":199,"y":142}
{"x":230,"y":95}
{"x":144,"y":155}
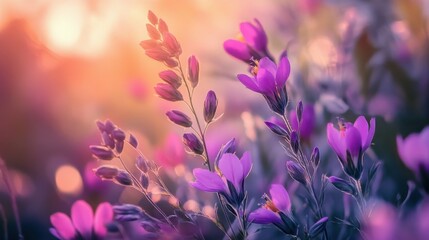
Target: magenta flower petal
{"x":264,"y":216}
{"x":334,"y":139}
{"x":283,"y":71}
{"x":63,"y":226}
{"x":362,"y":125}
{"x":82,"y":217}
{"x":265,"y":81}
{"x":371,"y":133}
{"x":248,"y":82}
{"x":280,"y":197}
{"x":246,"y":161}
{"x":208,"y":181}
{"x":253,"y":36}
{"x":353,"y":141}
{"x":103,"y":215}
{"x":268,"y":65}
{"x":237,"y":49}
{"x":232,"y":169}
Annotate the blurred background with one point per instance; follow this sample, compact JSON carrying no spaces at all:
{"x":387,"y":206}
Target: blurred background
{"x":64,"y":64}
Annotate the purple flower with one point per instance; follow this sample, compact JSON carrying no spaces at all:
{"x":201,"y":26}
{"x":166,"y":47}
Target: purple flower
{"x":168,"y":92}
{"x":252,"y":42}
{"x":269,"y":80}
{"x":83,"y":222}
{"x":350,"y":142}
{"x":414,"y":152}
{"x":229,"y":178}
{"x":276,"y":210}
{"x":307,"y":124}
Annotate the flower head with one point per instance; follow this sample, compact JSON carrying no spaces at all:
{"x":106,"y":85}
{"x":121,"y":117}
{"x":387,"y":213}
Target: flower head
{"x":83,"y":223}
{"x":269,"y":80}
{"x":251,"y":43}
{"x":414,"y":153}
{"x":350,"y":142}
{"x":229,"y":180}
{"x":276,"y":210}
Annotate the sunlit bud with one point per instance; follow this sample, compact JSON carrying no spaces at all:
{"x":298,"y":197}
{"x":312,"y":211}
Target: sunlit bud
{"x":153,"y":32}
{"x":179,"y":118}
{"x":193,"y":70}
{"x":210,"y":106}
{"x":167,"y":92}
{"x":102,"y":152}
{"x":193,"y":143}
{"x":171,"y":77}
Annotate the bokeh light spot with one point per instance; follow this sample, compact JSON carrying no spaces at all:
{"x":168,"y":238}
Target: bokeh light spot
{"x":68,"y":180}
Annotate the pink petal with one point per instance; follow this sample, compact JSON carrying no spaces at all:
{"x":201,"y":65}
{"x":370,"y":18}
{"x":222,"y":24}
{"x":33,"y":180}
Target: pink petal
{"x":362,"y":125}
{"x":280,"y":197}
{"x":353,"y":141}
{"x":283,"y":71}
{"x":265,"y":81}
{"x":268,"y":65}
{"x":246,"y":162}
{"x":336,"y":141}
{"x":231,"y":168}
{"x":248,"y":82}
{"x":63,"y":225}
{"x":237,"y":49}
{"x":103,"y":215}
{"x":83,"y":218}
{"x":208,"y":181}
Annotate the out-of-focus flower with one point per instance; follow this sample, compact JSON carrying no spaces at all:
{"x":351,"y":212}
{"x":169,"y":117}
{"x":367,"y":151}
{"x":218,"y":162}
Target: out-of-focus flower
{"x":228,"y":180}
{"x":171,"y":153}
{"x":306,"y":126}
{"x":276,"y":210}
{"x":350,"y":142}
{"x":251,"y":44}
{"x":270,"y":81}
{"x":83,"y":224}
{"x":414,"y":152}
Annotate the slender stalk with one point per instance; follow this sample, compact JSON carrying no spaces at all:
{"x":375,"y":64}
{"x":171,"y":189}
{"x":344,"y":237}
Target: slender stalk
{"x":11,"y":190}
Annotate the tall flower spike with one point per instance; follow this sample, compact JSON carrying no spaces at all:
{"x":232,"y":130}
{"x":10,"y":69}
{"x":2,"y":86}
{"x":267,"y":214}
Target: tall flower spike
{"x":350,"y":142}
{"x":251,"y":44}
{"x":269,"y":80}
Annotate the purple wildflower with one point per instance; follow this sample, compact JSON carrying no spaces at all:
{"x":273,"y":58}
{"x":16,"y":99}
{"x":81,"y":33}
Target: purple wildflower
{"x":350,"y":142}
{"x":414,"y":153}
{"x":276,"y":210}
{"x":83,"y":222}
{"x":228,"y":180}
{"x":269,"y":80}
{"x":251,"y":43}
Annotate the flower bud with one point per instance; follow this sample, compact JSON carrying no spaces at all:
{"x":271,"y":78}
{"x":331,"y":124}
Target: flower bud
{"x":296,"y":172}
{"x":171,"y":78}
{"x":171,"y":63}
{"x":150,"y":44}
{"x":318,"y":228}
{"x":127,"y":209}
{"x":277,"y":129}
{"x":144,"y":180}
{"x":342,"y":185}
{"x":107,"y":140}
{"x":167,"y":92}
{"x":141,"y":164}
{"x":102,"y":152}
{"x":124,"y":178}
{"x":315,"y":156}
{"x":106,"y":172}
{"x":171,"y":43}
{"x":118,"y":135}
{"x":109,"y":126}
{"x":193,"y":143}
{"x":210,"y":106}
{"x":153,"y":32}
{"x":162,"y":26}
{"x":152,"y":17}
{"x":119,"y":146}
{"x":299,"y":109}
{"x":294,"y":141}
{"x":179,"y":118}
{"x":100,"y":126}
{"x":193,"y":70}
{"x":133,"y":141}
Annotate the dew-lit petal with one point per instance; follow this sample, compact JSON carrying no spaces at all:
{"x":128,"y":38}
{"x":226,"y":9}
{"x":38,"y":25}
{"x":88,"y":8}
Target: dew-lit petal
{"x":103,"y":215}
{"x":82,"y":217}
{"x":231,"y":168}
{"x":283,"y":71}
{"x":280,"y":197}
{"x":63,"y":225}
